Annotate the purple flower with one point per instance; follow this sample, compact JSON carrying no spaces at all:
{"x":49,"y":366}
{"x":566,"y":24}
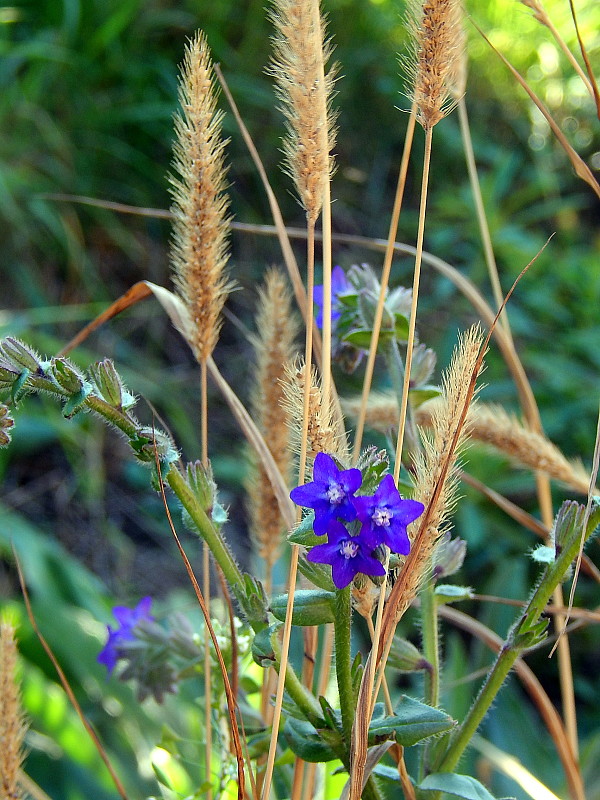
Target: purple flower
{"x":330,"y":494}
{"x":348,"y":555}
{"x":339,"y":285}
{"x":385,"y":515}
{"x":127,"y":618}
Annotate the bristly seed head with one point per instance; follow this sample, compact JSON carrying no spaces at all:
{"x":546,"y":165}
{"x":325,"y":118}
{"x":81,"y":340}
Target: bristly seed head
{"x":437,"y":46}
{"x":199,"y":251}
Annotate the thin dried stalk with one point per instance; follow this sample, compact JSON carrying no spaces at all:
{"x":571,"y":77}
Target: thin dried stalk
{"x":274,"y":346}
{"x":436,"y":27}
{"x":199,"y":250}
{"x":12,"y":724}
{"x":541,"y":15}
{"x":325,"y":433}
{"x":301,"y":51}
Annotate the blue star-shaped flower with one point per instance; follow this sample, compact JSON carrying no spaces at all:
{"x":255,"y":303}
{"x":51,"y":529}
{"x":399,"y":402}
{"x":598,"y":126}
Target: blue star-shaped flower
{"x":330,"y":494}
{"x":348,"y":555}
{"x":385,"y":515}
{"x":127,"y":618}
{"x":339,"y":285}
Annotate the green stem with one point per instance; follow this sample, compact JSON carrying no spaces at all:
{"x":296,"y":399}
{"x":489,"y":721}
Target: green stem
{"x":431,"y":647}
{"x":112,"y":415}
{"x":525,"y":632}
{"x":343,"y":661}
{"x":207,"y":530}
{"x":431,"y":652}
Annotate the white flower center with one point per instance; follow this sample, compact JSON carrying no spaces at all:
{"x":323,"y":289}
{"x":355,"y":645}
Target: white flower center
{"x":335,"y":494}
{"x":382,"y":517}
{"x":348,"y":548}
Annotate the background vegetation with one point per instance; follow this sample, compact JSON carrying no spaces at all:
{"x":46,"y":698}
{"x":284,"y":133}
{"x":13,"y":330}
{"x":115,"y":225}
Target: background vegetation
{"x":87,"y":94}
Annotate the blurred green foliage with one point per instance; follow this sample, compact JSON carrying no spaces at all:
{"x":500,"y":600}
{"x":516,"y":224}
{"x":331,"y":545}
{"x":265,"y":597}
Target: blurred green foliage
{"x":87,"y":93}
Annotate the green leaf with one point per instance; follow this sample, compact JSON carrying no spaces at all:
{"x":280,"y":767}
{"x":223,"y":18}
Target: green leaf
{"x":456,"y":786}
{"x":419,"y":395}
{"x":311,"y":607}
{"x":318,"y":574}
{"x":306,"y":742}
{"x":448,"y":593}
{"x":304,"y":534}
{"x":411,"y":722}
{"x":401,"y":325}
{"x":263,"y":651}
{"x":361,"y":337}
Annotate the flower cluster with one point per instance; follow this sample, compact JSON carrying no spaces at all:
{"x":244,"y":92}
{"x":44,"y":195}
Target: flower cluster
{"x":127,"y":618}
{"x":368,"y":521}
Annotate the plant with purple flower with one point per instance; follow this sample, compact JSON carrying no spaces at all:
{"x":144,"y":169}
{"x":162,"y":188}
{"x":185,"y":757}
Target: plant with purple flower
{"x":330,"y":494}
{"x":339,"y":285}
{"x":127,"y":618}
{"x":346,"y":554}
{"x":385,"y":515}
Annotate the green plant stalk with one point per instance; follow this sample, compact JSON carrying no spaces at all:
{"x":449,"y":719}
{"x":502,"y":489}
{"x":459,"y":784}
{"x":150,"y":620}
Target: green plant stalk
{"x":206,"y":529}
{"x":431,"y":652}
{"x":520,"y":636}
{"x":343,"y":660}
{"x":304,"y":699}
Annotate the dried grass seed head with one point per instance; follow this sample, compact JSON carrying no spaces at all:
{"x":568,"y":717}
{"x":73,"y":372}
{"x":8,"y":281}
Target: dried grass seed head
{"x":325,"y":428}
{"x":432,"y":63}
{"x":277,"y":327}
{"x":12,"y":723}
{"x":301,"y":51}
{"x":199,"y":249}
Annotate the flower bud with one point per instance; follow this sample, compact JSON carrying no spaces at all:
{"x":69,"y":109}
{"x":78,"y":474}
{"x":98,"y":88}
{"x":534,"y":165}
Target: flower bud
{"x":109,"y":384}
{"x":423,"y":365}
{"x":67,"y":376}
{"x":449,"y":556}
{"x":21,"y":355}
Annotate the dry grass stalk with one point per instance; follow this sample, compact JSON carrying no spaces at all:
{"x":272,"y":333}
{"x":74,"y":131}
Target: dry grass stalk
{"x":199,"y":250}
{"x":325,"y":432}
{"x":301,"y":51}
{"x":274,"y":345}
{"x":541,"y":15}
{"x":12,"y":725}
{"x":491,"y":425}
{"x":436,"y":26}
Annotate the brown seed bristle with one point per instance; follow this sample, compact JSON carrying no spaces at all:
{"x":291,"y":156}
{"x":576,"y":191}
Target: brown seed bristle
{"x":199,"y":250}
{"x":277,"y":328}
{"x":12,"y":725}
{"x":301,"y":51}
{"x":325,"y":431}
{"x":437,"y":43}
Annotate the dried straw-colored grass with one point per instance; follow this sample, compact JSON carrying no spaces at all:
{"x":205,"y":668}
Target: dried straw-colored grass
{"x":199,"y":250}
{"x":12,"y":724}
{"x":325,"y":432}
{"x":437,"y":45}
{"x":491,"y":425}
{"x":301,"y":51}
{"x":274,"y":346}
